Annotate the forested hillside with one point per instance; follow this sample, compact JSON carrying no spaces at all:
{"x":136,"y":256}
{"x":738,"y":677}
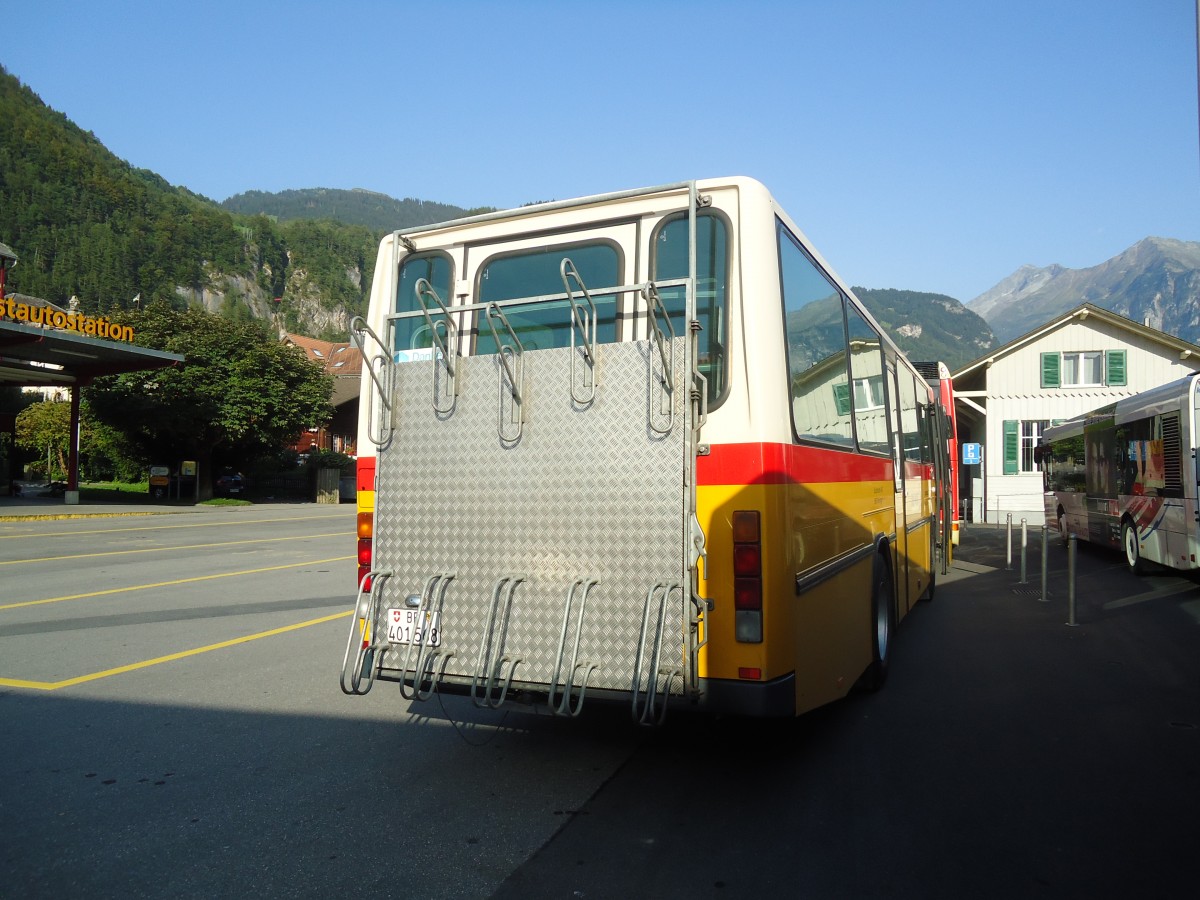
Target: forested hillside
{"x":86,"y":224}
{"x":927,"y":327}
{"x":378,"y":212}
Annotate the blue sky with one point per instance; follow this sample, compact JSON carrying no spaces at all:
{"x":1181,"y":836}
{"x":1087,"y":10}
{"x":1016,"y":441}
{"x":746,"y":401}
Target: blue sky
{"x":922,"y":145}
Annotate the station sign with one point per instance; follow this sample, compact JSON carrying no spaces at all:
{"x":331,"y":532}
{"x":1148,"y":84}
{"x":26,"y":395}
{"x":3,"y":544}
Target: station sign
{"x":32,"y":314}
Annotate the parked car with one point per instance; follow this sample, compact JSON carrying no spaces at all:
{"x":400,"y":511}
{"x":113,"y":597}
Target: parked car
{"x":229,"y":485}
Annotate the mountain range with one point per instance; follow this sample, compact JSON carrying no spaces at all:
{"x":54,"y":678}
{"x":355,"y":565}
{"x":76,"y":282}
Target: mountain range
{"x":90,"y":225}
{"x":1156,"y":281}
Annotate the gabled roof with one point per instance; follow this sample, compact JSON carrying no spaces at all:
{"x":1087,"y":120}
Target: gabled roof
{"x":336,"y":359}
{"x":1186,"y":350}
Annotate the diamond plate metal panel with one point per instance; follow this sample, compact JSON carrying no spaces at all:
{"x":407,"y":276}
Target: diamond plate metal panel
{"x":587,"y":491}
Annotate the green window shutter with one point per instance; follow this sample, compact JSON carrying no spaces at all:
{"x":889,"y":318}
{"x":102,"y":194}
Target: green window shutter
{"x":1051,"y":363}
{"x":1114,"y":368}
{"x":1012,"y":432}
{"x":841,"y":397}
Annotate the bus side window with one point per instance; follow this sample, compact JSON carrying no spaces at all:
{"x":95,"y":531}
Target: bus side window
{"x":866,"y":368}
{"x":822,"y":408}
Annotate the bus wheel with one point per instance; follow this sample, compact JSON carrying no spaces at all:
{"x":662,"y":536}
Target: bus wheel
{"x":881,"y":625}
{"x":1133,"y":552}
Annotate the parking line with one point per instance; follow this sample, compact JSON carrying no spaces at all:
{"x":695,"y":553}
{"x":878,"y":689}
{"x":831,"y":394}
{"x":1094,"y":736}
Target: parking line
{"x":1172,"y":586}
{"x":183,"y":654}
{"x":43,"y":534}
{"x":298,"y":537}
{"x":143,"y":587}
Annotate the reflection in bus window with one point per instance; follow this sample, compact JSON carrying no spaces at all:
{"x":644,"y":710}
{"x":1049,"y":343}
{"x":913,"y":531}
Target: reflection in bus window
{"x":816,"y":347}
{"x":413,"y":334}
{"x":537,"y":273}
{"x":712,"y":281}
{"x":866,"y":363}
{"x":910,"y":423}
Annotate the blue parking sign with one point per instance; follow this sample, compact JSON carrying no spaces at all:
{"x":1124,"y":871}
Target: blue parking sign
{"x":972,"y":454}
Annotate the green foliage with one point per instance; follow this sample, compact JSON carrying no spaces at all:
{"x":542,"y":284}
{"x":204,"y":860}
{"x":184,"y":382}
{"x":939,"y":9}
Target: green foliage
{"x":238,"y":395}
{"x":332,"y":259}
{"x":88,"y":224}
{"x":929,"y":326}
{"x":45,"y":429}
{"x":330,"y":459}
{"x":379,"y":213}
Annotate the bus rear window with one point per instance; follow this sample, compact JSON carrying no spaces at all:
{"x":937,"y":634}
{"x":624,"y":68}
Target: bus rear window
{"x":540,"y":326}
{"x":712,"y":282}
{"x":413,"y":334}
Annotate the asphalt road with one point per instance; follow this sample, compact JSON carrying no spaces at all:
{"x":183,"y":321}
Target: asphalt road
{"x":171,"y":725}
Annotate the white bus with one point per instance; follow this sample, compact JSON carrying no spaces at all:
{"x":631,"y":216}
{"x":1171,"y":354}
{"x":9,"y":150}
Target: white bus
{"x":643,"y":446}
{"x":1125,"y":475}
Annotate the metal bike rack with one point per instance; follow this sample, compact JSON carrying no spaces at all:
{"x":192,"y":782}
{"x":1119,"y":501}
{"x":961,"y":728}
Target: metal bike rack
{"x":425,"y":666}
{"x":375,"y":365}
{"x":579,"y":591}
{"x":365,"y":632}
{"x":583,"y":322}
{"x":515,"y":374}
{"x":445,"y":386}
{"x":647,"y":712}
{"x":492,"y":657}
{"x":664,"y":379}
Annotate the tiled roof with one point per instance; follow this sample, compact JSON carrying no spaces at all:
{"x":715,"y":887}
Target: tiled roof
{"x":336,"y":359}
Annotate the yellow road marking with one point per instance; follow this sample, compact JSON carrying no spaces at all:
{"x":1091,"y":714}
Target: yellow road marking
{"x":41,"y":534}
{"x":143,"y":587}
{"x":171,"y":657}
{"x":45,"y":559}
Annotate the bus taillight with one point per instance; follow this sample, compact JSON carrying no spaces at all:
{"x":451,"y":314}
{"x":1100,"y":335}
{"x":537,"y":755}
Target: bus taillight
{"x":747,"y":576}
{"x":365,"y":547}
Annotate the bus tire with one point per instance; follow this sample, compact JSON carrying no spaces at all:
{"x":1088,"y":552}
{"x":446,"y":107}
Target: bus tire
{"x":1133,"y":552}
{"x":882,"y":621}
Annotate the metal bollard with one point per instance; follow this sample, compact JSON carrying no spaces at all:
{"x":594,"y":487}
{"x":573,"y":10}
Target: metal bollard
{"x":1045,"y":598}
{"x":1071,"y":544}
{"x":1008,"y":556}
{"x":1024,"y":545}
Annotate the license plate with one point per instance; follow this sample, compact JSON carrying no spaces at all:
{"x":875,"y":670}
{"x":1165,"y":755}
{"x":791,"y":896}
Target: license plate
{"x":405,"y":627}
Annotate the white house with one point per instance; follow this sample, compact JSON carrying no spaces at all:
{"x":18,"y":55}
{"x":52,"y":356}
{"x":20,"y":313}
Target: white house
{"x":1085,"y":359}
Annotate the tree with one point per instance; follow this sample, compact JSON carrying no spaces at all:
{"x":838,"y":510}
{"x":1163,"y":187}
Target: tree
{"x":239,"y":394}
{"x":46,"y":429}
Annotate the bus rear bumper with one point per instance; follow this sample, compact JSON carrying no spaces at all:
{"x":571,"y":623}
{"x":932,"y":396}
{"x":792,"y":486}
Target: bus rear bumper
{"x":765,"y":699}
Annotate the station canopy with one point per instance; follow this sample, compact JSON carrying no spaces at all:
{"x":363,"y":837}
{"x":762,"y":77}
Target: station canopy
{"x":41,"y":356}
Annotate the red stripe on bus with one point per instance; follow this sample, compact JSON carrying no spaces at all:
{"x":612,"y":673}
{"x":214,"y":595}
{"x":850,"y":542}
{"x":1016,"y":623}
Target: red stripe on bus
{"x":787,"y":464}
{"x":366,"y":473}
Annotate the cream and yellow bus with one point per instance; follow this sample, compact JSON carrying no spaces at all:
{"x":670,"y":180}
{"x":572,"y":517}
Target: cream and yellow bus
{"x":643,"y":446}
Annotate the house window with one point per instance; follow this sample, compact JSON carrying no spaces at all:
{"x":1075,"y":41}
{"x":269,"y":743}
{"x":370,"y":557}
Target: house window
{"x":1031,"y":435}
{"x":1083,"y":368}
{"x":1020,"y":439}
